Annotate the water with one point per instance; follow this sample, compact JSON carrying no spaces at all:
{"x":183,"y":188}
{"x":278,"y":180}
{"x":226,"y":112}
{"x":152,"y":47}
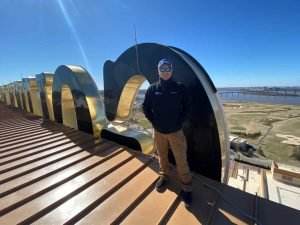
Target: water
{"x":285,"y":100}
{"x":227,"y":96}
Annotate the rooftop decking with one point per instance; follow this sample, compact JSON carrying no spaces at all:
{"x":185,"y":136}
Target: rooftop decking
{"x":51,"y":174}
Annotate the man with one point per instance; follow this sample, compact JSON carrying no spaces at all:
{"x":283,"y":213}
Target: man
{"x":165,"y":106}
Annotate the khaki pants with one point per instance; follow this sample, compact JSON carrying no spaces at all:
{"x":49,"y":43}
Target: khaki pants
{"x":177,"y":142}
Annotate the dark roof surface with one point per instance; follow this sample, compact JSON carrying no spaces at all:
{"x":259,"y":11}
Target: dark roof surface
{"x":51,"y":174}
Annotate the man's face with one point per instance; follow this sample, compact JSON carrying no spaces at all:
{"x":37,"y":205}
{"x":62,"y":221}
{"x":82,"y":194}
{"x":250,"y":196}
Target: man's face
{"x":165,"y":71}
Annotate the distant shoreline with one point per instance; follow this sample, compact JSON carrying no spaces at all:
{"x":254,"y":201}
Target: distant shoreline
{"x":252,"y":102}
{"x":261,"y":99}
{"x":244,"y":97}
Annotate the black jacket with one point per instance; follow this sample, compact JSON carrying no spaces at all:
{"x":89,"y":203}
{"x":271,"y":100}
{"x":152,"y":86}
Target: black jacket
{"x":165,"y":105}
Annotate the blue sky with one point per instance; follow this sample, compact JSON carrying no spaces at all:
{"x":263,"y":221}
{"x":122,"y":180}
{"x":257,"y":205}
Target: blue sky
{"x":239,"y":43}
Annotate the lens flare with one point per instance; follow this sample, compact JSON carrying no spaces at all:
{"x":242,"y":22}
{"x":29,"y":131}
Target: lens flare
{"x":74,"y":32}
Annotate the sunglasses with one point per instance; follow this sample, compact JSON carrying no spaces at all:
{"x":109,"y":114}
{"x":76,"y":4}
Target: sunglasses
{"x":165,"y":68}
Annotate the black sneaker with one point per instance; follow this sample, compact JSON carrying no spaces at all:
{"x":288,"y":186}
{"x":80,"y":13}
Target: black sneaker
{"x":186,"y":198}
{"x":161,"y":184}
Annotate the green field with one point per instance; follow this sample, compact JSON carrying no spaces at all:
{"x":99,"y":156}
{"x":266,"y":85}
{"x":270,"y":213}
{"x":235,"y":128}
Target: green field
{"x":262,"y":124}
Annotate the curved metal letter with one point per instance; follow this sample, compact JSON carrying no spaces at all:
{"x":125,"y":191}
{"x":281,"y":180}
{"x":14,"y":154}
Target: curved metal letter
{"x":7,"y":96}
{"x":18,"y":94}
{"x":2,"y":94}
{"x":205,"y":127}
{"x":45,"y":82}
{"x":32,"y":97}
{"x":26,"y":95}
{"x":75,"y":93}
{"x":14,"y":93}
{"x":11,"y":90}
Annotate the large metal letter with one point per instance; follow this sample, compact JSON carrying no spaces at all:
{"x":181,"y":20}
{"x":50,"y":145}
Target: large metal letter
{"x":45,"y":82}
{"x":32,"y":97}
{"x":11,"y":94}
{"x":205,"y":127}
{"x":2,"y":94}
{"x":25,"y":95}
{"x":7,"y":95}
{"x":18,"y":94}
{"x":75,"y":94}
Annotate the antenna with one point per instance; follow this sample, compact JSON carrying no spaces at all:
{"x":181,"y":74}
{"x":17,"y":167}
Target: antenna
{"x":136,"y":50}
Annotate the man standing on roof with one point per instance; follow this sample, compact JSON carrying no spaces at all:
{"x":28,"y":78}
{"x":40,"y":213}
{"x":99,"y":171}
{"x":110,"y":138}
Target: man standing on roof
{"x":165,"y":106}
